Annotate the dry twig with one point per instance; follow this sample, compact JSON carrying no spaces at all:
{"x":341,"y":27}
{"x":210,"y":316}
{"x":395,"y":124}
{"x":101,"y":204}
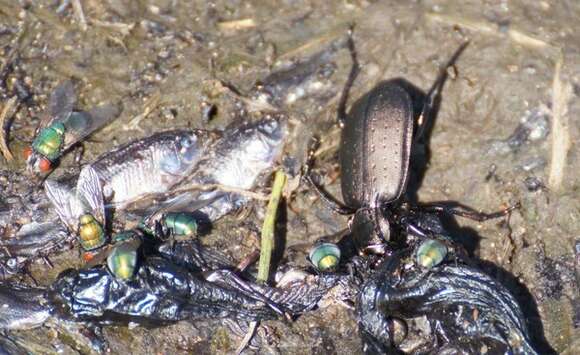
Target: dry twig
{"x":152,"y":103}
{"x":80,"y":14}
{"x":490,"y":28}
{"x":222,"y":188}
{"x":6,"y":113}
{"x":237,"y":25}
{"x":561,"y":94}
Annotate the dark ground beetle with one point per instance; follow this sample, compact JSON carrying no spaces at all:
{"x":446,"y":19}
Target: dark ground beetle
{"x":378,"y":135}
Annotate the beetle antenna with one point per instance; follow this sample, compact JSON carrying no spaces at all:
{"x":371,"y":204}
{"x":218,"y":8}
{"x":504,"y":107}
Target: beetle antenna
{"x":354,"y":70}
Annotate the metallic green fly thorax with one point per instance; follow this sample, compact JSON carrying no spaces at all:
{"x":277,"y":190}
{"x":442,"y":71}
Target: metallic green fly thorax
{"x":181,"y":223}
{"x":49,"y":141}
{"x":91,"y":233}
{"x":122,"y":261}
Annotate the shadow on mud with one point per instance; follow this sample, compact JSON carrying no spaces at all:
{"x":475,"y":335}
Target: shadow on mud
{"x":467,"y":237}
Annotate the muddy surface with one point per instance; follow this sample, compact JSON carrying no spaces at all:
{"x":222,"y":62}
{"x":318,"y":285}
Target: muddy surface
{"x":506,"y":131}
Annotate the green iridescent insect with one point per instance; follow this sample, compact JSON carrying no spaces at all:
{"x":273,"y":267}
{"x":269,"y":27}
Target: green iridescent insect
{"x":325,"y":256}
{"x":180,"y":223}
{"x":61,"y":127}
{"x":122,"y":258}
{"x":91,"y":232}
{"x":49,"y":141}
{"x":81,"y":209}
{"x":431,"y":253}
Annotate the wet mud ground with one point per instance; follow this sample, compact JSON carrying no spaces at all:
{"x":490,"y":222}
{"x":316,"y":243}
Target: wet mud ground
{"x":506,"y":131}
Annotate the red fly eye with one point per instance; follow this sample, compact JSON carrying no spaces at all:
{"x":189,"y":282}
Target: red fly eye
{"x":44,"y":165}
{"x":88,"y":256}
{"x":27,"y":152}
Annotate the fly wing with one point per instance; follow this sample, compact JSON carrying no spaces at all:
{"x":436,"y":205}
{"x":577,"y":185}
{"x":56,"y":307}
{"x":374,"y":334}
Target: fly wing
{"x":102,"y":255}
{"x":80,"y":124}
{"x":186,"y":202}
{"x":60,"y":105}
{"x":61,"y":198}
{"x":189,"y":202}
{"x":89,"y":189}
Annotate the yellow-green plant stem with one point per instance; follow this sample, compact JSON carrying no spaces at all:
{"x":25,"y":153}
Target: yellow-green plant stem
{"x":267,"y":238}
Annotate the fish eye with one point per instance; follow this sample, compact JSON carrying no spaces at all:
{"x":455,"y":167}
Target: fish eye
{"x":189,"y":152}
{"x":186,"y":142}
{"x":44,"y":165}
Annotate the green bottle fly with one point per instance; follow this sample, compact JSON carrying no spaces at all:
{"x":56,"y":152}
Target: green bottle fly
{"x":91,"y":233}
{"x":49,"y":141}
{"x":122,"y":261}
{"x":181,"y":223}
{"x":325,"y":256}
{"x":431,"y":253}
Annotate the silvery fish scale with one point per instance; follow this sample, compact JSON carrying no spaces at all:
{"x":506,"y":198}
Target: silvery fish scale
{"x":235,"y":161}
{"x":243,"y":154}
{"x":150,"y":165}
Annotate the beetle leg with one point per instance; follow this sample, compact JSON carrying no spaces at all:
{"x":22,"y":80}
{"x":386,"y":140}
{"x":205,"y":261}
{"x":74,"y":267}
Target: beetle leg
{"x":434,"y":93}
{"x":466,"y":212}
{"x":330,"y":201}
{"x":354,"y":70}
